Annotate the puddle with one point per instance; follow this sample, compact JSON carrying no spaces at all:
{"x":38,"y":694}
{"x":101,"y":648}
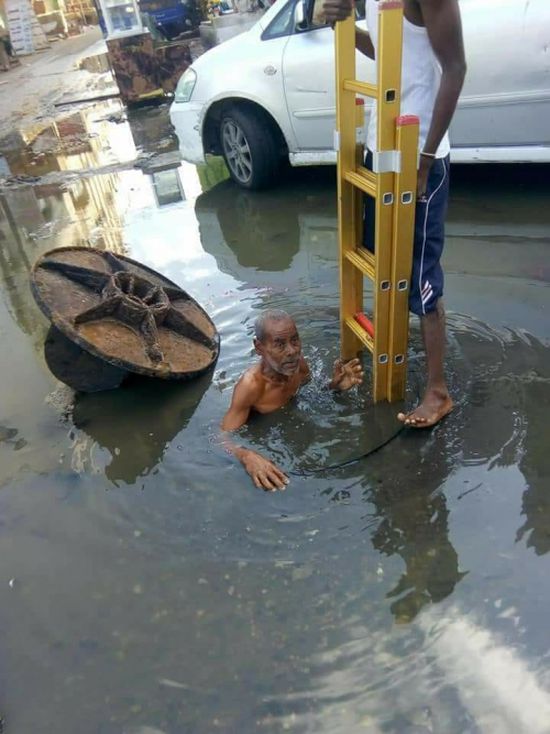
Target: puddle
{"x":85,"y":142}
{"x":153,"y":588}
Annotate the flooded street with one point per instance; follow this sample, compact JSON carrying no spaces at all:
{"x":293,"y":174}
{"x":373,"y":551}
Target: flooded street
{"x":146,"y":587}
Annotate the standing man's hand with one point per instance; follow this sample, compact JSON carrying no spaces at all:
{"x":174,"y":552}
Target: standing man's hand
{"x":335,"y":10}
{"x":423,"y":175}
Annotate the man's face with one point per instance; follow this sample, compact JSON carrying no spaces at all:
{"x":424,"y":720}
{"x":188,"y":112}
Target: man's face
{"x":281,"y":347}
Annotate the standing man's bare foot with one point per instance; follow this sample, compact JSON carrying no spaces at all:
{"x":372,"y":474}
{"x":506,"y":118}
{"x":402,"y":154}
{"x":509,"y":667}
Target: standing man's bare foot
{"x":436,"y":405}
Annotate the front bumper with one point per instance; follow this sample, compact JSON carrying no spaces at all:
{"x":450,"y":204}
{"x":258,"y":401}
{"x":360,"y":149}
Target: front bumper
{"x":186,"y":119}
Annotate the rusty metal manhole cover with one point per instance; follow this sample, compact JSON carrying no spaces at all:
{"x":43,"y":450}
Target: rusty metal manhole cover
{"x":124,"y":313}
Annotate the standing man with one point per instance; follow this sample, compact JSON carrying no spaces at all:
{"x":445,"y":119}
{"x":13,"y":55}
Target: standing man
{"x":433,"y":73}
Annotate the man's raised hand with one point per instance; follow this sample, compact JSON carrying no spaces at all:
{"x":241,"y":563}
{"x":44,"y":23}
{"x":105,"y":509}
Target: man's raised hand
{"x":335,"y":10}
{"x":346,"y":375}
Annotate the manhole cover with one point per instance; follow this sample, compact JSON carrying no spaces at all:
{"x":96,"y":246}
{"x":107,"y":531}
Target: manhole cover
{"x":124,"y":313}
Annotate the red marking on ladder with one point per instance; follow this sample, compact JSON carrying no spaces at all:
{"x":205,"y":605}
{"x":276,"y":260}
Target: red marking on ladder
{"x":365,"y":322}
{"x":360,"y":101}
{"x":391,"y":4}
{"x":405,"y":120}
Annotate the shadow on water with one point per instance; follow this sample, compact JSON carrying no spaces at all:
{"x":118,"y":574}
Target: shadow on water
{"x":136,"y":422}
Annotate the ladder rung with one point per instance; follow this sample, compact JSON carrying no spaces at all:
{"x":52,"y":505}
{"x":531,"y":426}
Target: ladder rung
{"x":364,"y":88}
{"x":360,"y":333}
{"x":362,"y":179}
{"x":365,"y":323}
{"x":363,"y":261}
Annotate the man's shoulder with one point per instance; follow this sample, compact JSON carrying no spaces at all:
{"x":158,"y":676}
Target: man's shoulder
{"x":251,"y":383}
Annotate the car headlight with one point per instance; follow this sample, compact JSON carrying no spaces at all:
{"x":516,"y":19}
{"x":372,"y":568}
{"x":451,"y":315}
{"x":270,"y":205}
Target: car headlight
{"x":186,"y":85}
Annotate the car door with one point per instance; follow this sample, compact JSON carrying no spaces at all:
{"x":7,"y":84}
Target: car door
{"x":309,"y":83}
{"x":506,"y":96}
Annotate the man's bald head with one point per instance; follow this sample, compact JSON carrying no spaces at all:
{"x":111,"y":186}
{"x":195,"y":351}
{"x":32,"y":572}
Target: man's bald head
{"x":277,"y":342}
{"x":261,"y":325}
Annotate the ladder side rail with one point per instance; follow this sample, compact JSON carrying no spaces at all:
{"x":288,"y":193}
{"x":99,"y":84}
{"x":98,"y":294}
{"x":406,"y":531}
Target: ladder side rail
{"x":351,"y":279}
{"x":390,"y":48}
{"x":358,"y":205}
{"x":407,"y":133}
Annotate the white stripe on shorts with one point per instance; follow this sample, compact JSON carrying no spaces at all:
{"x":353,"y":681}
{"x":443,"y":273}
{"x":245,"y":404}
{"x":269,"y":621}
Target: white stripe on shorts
{"x":426,"y":231}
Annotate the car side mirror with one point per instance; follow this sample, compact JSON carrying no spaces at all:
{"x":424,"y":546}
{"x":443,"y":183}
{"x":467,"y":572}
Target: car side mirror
{"x":300,"y":16}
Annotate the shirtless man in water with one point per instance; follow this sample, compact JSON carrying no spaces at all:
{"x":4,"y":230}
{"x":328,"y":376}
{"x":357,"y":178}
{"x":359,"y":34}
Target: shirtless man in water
{"x":271,"y":383}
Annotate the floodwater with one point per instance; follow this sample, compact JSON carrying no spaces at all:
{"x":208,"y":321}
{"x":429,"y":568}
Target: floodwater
{"x":146,"y":587}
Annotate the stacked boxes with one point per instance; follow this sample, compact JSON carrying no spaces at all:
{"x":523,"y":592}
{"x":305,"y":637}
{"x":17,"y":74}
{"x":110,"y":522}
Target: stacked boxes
{"x":26,"y":34}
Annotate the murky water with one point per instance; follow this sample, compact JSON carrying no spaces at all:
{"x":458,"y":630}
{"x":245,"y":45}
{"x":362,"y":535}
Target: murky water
{"x":146,"y":586}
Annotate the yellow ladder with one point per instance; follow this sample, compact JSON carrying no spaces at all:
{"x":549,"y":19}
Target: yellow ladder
{"x":393,"y":186}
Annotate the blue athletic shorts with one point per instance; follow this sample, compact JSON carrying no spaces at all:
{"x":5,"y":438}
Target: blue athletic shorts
{"x":429,"y":236}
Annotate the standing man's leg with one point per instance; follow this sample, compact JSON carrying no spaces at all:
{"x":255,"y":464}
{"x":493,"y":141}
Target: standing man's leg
{"x":426,"y":296}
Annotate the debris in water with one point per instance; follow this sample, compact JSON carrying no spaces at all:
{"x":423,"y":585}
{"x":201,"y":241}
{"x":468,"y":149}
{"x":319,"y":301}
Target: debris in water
{"x":172,"y":684}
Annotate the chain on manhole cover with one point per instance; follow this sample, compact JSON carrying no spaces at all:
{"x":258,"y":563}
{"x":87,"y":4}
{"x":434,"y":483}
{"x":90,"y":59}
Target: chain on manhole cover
{"x":111,"y":316}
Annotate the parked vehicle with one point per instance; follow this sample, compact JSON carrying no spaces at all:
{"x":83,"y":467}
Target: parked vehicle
{"x":165,"y":19}
{"x":268,"y":94}
{"x":173,"y":19}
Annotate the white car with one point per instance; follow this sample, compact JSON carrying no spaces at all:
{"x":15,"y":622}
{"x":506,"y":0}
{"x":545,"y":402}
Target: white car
{"x":269,"y":94}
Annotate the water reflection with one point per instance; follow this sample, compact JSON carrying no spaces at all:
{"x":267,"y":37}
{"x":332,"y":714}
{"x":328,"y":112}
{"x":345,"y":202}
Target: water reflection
{"x":32,"y":220}
{"x":257,"y":232}
{"x":52,"y":199}
{"x":76,"y":209}
{"x":151,"y":130}
{"x":413,"y":522}
{"x":506,"y":417}
{"x":85,"y":139}
{"x":167,"y":186}
{"x":254,"y":236}
{"x":136,"y":423}
{"x":535,"y":457}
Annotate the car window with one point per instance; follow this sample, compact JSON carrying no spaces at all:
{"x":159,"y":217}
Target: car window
{"x":282,"y":24}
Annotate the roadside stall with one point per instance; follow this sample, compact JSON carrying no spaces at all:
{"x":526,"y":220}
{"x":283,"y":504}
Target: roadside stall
{"x":145,"y":64}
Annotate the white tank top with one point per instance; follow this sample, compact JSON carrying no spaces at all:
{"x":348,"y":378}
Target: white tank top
{"x":421,"y":76}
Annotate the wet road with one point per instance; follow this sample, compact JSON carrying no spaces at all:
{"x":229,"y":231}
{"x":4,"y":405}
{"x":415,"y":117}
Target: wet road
{"x":146,"y":587}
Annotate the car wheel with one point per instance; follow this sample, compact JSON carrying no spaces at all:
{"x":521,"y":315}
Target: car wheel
{"x":249,"y":148}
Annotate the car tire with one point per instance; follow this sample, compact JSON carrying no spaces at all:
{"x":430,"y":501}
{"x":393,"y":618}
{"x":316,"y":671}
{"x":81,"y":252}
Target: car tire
{"x":250,"y":147}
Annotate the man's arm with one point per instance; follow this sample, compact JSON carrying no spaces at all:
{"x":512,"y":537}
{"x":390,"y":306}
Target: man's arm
{"x":244,"y":396}
{"x":263,"y":472}
{"x":336,"y":10}
{"x":363,"y":43}
{"x":444,"y":27}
